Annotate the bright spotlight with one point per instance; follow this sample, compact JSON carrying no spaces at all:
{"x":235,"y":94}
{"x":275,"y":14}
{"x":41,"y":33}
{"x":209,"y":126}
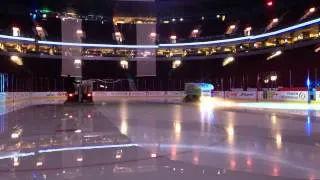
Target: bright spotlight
{"x":117,"y":33}
{"x":17,"y":60}
{"x":118,"y":36}
{"x":272,"y":24}
{"x":278,"y":53}
{"x":231,"y":29}
{"x":176,"y":64}
{"x":275,"y":20}
{"x":41,"y":32}
{"x":39,"y":28}
{"x":273,"y":77}
{"x":312,"y":10}
{"x":247,"y":31}
{"x":308,"y":13}
{"x":124,"y":64}
{"x":228,"y":60}
{"x":269,"y":3}
{"x":195,"y":31}
{"x":275,"y":54}
{"x":15,"y":31}
{"x":173,"y":38}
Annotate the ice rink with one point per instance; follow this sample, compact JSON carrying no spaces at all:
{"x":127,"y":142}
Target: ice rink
{"x":123,"y":138}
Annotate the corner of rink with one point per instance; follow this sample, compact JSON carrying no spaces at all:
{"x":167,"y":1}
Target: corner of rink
{"x":11,"y":101}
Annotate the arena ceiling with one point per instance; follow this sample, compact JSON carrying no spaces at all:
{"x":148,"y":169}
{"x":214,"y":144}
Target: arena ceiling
{"x":163,"y":8}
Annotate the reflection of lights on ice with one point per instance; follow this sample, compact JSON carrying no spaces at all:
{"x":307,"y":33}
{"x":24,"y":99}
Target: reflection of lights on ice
{"x":124,"y":128}
{"x":233,"y":164}
{"x":275,"y":171}
{"x":16,"y":155}
{"x":206,"y":108}
{"x":16,"y":134}
{"x":87,"y":148}
{"x":153,"y":155}
{"x":308,"y":126}
{"x":279,"y":140}
{"x":16,"y":161}
{"x":249,"y":162}
{"x":274,"y":119}
{"x":173,"y":152}
{"x":118,"y":156}
{"x":206,"y":102}
{"x":211,"y":102}
{"x":39,"y":163}
{"x":177,"y":128}
{"x":124,"y":117}
{"x":195,"y":159}
{"x":230,"y":131}
{"x":78,"y":131}
{"x":177,"y":122}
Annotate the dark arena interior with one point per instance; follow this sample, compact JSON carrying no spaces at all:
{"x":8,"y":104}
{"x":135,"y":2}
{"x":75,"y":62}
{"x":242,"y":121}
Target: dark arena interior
{"x":162,"y":89}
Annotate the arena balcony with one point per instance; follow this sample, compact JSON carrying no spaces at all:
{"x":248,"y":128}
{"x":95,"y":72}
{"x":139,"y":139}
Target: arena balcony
{"x":301,"y":34}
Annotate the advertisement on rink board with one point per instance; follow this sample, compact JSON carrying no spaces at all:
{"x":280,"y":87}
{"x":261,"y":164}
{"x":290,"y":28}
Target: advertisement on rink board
{"x":220,"y":94}
{"x":138,"y":93}
{"x":288,"y":95}
{"x":49,"y":94}
{"x":156,"y":93}
{"x":175,"y":93}
{"x":241,"y":94}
